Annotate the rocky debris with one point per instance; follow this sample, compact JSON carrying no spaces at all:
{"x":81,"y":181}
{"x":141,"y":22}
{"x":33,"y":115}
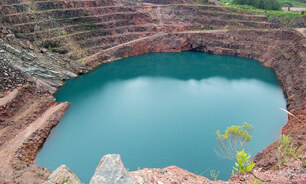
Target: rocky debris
{"x":16,"y":102}
{"x":22,"y":139}
{"x":62,"y":175}
{"x":111,"y":170}
{"x":168,"y":175}
{"x":25,"y":154}
{"x":18,"y":64}
{"x":10,"y":77}
{"x":292,"y":172}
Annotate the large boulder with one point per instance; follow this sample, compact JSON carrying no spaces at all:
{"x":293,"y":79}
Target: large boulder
{"x":111,"y":170}
{"x":62,"y":175}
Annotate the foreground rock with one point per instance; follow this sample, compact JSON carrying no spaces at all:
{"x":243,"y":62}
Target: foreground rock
{"x":291,"y":172}
{"x":111,"y":170}
{"x":62,"y":175}
{"x":168,"y":175}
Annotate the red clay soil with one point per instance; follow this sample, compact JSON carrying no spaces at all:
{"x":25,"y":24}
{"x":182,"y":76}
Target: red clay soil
{"x":29,"y":118}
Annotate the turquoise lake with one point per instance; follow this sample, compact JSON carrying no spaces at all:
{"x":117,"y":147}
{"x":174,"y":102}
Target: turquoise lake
{"x":164,"y":109}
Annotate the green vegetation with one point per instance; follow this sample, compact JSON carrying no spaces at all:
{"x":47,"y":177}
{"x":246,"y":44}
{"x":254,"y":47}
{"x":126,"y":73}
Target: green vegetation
{"x":245,"y":7}
{"x":285,"y":150}
{"x":290,"y":19}
{"x":260,"y":4}
{"x":300,"y":3}
{"x":214,"y":174}
{"x":88,"y":28}
{"x":201,"y":3}
{"x":234,"y":139}
{"x":74,"y":16}
{"x":226,"y":1}
{"x":243,"y":164}
{"x":285,"y":19}
{"x":51,"y":45}
{"x":303,"y":165}
{"x":255,"y":181}
{"x":50,"y":48}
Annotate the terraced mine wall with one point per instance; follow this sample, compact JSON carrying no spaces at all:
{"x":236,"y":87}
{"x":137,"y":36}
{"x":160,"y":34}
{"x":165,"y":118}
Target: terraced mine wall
{"x":45,"y":42}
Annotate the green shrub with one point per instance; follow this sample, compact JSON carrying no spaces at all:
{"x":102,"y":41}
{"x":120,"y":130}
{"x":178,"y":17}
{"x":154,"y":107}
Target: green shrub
{"x":261,"y":4}
{"x":243,"y":164}
{"x":285,"y":150}
{"x":234,"y":139}
{"x":214,"y":174}
{"x":50,"y":47}
{"x":289,"y":19}
{"x":255,"y":181}
{"x":301,"y":3}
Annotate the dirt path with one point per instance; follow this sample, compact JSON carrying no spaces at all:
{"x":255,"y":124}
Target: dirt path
{"x":7,"y":151}
{"x":9,"y":97}
{"x":302,"y":30}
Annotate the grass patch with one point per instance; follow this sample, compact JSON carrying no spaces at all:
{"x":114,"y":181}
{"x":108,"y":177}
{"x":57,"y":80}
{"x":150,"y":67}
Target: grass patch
{"x":199,"y":4}
{"x":284,"y":3}
{"x":292,"y":3}
{"x":74,"y":16}
{"x":230,"y":13}
{"x":223,"y":2}
{"x":85,"y":23}
{"x":287,"y":18}
{"x":245,"y":7}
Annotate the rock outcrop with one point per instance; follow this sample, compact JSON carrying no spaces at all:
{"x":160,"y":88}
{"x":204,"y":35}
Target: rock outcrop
{"x":23,"y":60}
{"x":62,"y":175}
{"x":168,"y":175}
{"x":111,"y":170}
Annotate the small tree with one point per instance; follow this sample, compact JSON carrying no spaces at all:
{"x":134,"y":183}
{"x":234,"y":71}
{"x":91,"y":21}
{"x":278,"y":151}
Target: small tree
{"x":234,"y":139}
{"x":214,"y":174}
{"x":243,"y":164}
{"x":285,"y":150}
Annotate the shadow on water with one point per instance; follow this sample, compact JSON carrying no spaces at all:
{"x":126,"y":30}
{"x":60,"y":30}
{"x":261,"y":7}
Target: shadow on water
{"x":182,"y":66}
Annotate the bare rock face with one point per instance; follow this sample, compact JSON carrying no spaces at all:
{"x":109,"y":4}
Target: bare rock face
{"x":111,"y":170}
{"x":62,"y":175}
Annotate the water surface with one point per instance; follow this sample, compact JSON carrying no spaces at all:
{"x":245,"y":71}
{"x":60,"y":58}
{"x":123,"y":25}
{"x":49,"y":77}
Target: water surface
{"x":163,"y":109}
